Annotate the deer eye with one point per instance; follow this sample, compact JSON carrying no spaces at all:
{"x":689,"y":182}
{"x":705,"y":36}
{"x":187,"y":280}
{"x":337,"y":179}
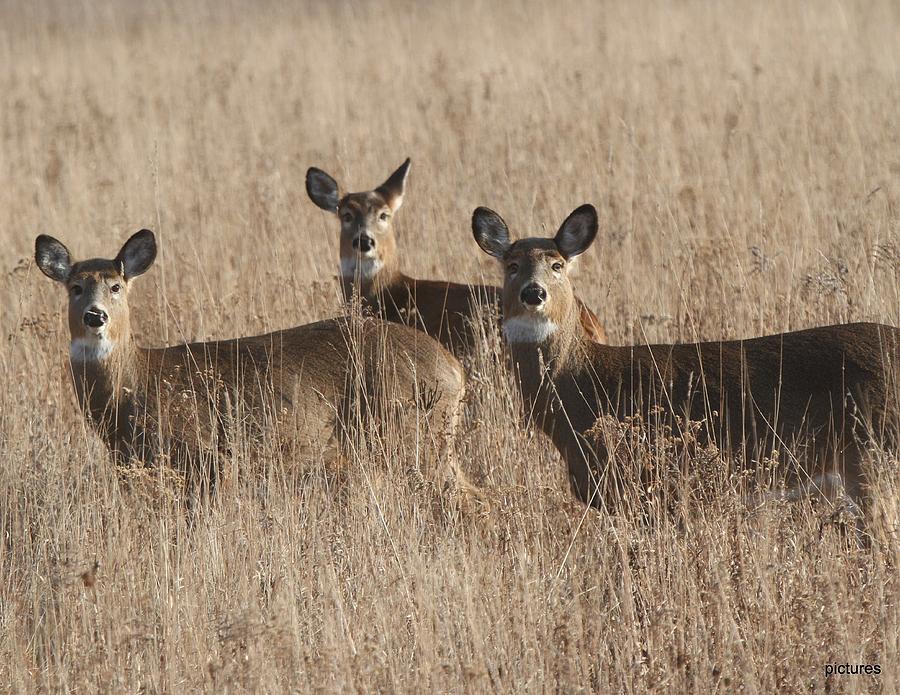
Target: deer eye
{"x":115,"y":288}
{"x":557,"y":267}
{"x":347,"y":217}
{"x":512,"y":268}
{"x":76,"y":290}
{"x":383,"y":216}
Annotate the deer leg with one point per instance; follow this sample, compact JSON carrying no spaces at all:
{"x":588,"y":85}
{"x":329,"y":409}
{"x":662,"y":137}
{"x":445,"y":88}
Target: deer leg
{"x":841,"y":484}
{"x":445,"y":425}
{"x":593,"y":480}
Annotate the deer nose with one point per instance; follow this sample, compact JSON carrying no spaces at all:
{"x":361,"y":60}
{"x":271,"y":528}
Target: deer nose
{"x":533,"y":295}
{"x":95,"y":318}
{"x":364,"y":243}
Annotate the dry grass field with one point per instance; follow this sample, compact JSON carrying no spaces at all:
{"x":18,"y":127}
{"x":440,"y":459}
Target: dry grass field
{"x":745,"y":160}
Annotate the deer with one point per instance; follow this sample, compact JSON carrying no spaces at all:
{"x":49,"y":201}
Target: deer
{"x":823,"y":392}
{"x":175,"y":404}
{"x":370,"y":265}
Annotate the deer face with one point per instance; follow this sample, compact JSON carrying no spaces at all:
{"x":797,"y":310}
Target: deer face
{"x":367,"y":240}
{"x":537,"y":292}
{"x":97,"y":291}
{"x":367,"y":234}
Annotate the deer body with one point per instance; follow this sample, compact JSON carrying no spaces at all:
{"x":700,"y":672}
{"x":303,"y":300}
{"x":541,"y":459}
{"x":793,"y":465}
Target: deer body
{"x":449,"y":312}
{"x":446,"y":311}
{"x":824,"y":389}
{"x":182,"y":401}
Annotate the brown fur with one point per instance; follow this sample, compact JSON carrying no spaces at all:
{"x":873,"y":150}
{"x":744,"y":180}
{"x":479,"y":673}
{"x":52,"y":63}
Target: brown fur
{"x":447,"y":311}
{"x":181,"y":403}
{"x":827,"y":389}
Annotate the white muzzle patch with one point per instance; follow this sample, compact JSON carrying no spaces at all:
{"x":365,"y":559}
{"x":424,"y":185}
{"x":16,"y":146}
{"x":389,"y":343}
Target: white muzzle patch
{"x":364,"y":267}
{"x":90,"y":349}
{"x":528,"y":328}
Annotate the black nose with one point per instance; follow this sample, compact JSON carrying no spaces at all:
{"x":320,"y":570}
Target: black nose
{"x":533,"y":295}
{"x":364,"y":243}
{"x":95,"y":318}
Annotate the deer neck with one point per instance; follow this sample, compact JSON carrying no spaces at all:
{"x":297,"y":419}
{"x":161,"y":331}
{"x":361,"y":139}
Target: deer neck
{"x":105,"y":377}
{"x":543,"y":349}
{"x":370,"y":279}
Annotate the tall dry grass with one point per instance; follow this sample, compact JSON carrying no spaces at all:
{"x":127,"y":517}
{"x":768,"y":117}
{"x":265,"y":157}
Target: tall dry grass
{"x":745,"y":159}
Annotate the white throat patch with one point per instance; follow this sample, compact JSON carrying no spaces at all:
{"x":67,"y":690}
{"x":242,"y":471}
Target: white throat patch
{"x":528,"y":328}
{"x":90,"y":349}
{"x":367,"y":268}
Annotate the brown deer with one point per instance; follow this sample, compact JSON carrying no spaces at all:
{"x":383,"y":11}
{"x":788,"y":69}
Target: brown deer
{"x":370,"y":263}
{"x":828,"y":389}
{"x":178,"y":402}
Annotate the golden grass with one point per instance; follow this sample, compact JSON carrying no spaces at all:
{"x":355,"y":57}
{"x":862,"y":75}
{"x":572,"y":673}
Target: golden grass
{"x":745,"y":159}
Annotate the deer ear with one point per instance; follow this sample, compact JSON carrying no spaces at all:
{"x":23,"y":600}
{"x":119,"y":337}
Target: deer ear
{"x":392,"y":189}
{"x":577,"y":233}
{"x":137,"y":254}
{"x":490,"y":231}
{"x":52,"y":257}
{"x":322,"y":189}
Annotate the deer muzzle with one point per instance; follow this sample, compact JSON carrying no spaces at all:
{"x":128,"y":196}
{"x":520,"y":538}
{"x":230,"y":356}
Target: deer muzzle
{"x":95,"y":318}
{"x":364,"y":243}
{"x":533,"y":295}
